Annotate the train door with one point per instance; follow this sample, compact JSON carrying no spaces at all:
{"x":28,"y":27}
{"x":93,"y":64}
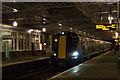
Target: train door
{"x":7,"y":47}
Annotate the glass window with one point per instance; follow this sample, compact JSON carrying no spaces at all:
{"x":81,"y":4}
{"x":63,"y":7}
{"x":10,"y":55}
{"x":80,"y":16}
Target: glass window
{"x":14,"y":34}
{"x":20,"y":44}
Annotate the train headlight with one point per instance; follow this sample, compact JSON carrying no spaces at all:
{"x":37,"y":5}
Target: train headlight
{"x":75,"y":53}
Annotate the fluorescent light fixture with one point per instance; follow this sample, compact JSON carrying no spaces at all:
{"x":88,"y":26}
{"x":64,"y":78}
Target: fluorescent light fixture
{"x":14,"y":1}
{"x":15,"y":10}
{"x":40,"y":46}
{"x":71,"y":28}
{"x":59,"y":24}
{"x":29,"y":31}
{"x":44,"y":19}
{"x":37,"y":31}
{"x":110,"y":18}
{"x":15,"y":23}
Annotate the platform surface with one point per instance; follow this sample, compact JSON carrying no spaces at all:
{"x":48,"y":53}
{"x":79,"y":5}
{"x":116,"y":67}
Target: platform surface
{"x":25,"y":60}
{"x":102,"y":67}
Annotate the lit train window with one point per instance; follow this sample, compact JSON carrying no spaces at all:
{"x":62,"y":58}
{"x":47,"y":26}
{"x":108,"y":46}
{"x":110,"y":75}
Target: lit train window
{"x":0,"y":33}
{"x":14,"y":34}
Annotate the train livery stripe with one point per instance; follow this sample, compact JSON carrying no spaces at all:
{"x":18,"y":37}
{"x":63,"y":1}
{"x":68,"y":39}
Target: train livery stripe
{"x":62,"y":47}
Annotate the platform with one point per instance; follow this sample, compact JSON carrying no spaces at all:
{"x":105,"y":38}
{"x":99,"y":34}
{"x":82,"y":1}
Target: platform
{"x":25,"y":60}
{"x":102,"y":67}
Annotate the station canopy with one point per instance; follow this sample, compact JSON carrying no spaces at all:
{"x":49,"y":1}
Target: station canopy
{"x":75,"y":16}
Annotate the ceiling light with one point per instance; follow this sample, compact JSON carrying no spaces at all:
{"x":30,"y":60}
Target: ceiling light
{"x":29,"y":31}
{"x":15,"y":23}
{"x":59,"y":24}
{"x":14,"y":1}
{"x":110,"y":17}
{"x":44,"y":19}
{"x":116,"y":34}
{"x":44,"y":22}
{"x":44,"y":29}
{"x":15,"y":10}
{"x":71,"y":28}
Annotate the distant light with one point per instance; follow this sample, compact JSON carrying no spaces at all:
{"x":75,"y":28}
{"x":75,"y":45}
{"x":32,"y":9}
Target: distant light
{"x":44,"y":29}
{"x":29,"y":31}
{"x":44,"y":19}
{"x":116,"y":43}
{"x":62,"y":33}
{"x":75,"y":29}
{"x":15,"y":23}
{"x":110,"y":18}
{"x":54,"y":54}
{"x":84,"y":33}
{"x":116,"y":34}
{"x":59,"y":24}
{"x":37,"y":31}
{"x":45,"y":44}
{"x":101,"y":18}
{"x":15,"y":10}
{"x":40,"y":46}
{"x":44,"y":22}
{"x":71,"y":28}
{"x":14,"y":1}
{"x":60,"y":27}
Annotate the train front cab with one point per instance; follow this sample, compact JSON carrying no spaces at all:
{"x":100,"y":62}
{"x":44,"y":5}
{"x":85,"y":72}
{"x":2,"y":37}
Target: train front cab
{"x":65,"y":47}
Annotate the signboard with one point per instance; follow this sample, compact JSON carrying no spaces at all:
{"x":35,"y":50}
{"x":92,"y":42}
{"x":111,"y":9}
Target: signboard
{"x":106,"y":27}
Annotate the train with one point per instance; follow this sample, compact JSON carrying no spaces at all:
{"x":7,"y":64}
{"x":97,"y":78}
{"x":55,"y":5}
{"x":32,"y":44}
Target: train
{"x":69,"y":47}
{"x":17,"y":42}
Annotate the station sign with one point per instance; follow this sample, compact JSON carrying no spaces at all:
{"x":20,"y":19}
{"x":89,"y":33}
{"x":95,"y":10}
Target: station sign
{"x":106,"y":27}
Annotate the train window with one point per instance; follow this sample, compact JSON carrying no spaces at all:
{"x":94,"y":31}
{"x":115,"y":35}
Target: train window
{"x":14,"y":34}
{"x":20,"y":44}
{"x":20,"y":35}
{"x":12,"y":44}
{"x":6,"y":34}
{"x":15,"y":44}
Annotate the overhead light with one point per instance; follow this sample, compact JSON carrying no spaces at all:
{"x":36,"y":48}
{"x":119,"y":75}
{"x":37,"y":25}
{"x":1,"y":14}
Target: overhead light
{"x":14,"y":1}
{"x":44,"y":19}
{"x":71,"y":28}
{"x":44,"y":29}
{"x":44,"y":22}
{"x":59,"y":24}
{"x":15,"y":23}
{"x":110,"y":18}
{"x":15,"y":10}
{"x":37,"y":30}
{"x":116,"y":34}
{"x":29,"y":31}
